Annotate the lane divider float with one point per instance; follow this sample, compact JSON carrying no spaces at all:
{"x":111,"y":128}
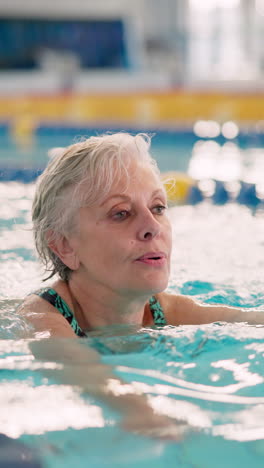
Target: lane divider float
{"x":183,"y":189}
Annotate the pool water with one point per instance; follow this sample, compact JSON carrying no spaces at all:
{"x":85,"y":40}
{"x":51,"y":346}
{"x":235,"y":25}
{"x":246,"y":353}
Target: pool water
{"x":208,"y":377}
{"x":172,"y":147}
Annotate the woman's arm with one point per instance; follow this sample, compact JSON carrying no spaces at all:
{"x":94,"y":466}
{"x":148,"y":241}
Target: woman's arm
{"x":183,"y":310}
{"x":82,"y":366}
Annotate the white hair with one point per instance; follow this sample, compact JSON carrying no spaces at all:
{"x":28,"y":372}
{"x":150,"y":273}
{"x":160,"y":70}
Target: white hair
{"x":81,"y":175}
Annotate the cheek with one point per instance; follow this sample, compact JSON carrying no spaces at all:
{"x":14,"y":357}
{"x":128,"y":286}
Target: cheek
{"x":168,"y":231}
{"x":86,"y":244}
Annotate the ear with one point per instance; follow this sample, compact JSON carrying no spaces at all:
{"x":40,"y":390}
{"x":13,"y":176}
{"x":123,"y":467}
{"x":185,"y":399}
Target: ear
{"x":62,"y":247}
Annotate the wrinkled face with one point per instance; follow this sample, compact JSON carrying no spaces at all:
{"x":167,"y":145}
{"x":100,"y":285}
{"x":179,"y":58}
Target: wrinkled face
{"x":123,"y":243}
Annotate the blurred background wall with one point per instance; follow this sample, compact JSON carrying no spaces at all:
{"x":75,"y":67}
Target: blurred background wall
{"x":143,"y":63}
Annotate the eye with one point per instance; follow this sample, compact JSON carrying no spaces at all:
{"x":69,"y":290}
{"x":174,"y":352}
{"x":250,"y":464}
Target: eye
{"x":159,"y":209}
{"x":121,"y":215}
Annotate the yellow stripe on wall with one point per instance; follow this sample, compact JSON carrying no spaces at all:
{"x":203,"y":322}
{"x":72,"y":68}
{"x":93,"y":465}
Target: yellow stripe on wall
{"x":136,"y":109}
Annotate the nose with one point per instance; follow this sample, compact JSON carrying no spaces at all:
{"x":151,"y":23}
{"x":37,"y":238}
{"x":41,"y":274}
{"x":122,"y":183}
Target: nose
{"x":148,"y":227}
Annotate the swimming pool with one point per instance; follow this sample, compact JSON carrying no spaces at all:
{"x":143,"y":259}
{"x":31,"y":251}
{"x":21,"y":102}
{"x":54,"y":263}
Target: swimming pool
{"x":210,"y":377}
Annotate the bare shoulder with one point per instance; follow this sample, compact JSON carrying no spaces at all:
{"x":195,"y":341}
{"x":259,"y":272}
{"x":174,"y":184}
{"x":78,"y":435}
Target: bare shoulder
{"x":44,"y":317}
{"x":178,"y":309}
{"x":183,"y":310}
{"x":36,"y":304}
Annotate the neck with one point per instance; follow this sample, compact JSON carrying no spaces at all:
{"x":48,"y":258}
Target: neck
{"x":96,"y":306}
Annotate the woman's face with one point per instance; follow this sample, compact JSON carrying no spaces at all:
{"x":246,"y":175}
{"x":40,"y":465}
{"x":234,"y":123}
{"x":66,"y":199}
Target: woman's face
{"x":124,"y":242}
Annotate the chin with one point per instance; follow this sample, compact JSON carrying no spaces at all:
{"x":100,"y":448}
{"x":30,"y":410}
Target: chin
{"x":155,"y":287}
{"x":148,"y":284}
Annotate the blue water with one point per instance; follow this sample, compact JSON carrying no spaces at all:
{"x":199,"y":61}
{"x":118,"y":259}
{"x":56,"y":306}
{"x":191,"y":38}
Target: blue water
{"x":172,"y":147}
{"x":209,"y":378}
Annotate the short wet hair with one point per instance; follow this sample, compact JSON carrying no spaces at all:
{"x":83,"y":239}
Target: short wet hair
{"x":80,"y":175}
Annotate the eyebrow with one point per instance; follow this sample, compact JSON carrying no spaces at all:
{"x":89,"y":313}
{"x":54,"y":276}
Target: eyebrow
{"x":127,"y":198}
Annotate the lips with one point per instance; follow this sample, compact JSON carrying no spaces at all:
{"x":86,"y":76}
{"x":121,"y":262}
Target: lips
{"x":153,"y":258}
{"x":152,"y":255}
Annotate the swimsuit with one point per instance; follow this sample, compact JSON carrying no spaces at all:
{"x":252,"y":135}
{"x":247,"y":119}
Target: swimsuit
{"x":51,"y":296}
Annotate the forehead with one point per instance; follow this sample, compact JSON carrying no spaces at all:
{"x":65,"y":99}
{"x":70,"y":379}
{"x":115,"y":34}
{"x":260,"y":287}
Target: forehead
{"x":137,"y":178}
{"x":134,"y":178}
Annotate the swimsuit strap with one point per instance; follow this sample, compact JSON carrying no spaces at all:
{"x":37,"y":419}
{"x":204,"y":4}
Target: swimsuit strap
{"x":157,"y":312}
{"x":51,"y":296}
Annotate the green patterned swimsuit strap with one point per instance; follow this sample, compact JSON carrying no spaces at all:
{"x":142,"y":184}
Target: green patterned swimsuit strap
{"x":51,"y":296}
{"x":157,"y":312}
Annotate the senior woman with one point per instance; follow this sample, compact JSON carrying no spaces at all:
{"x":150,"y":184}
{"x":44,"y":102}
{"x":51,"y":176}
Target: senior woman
{"x":100,"y":224}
